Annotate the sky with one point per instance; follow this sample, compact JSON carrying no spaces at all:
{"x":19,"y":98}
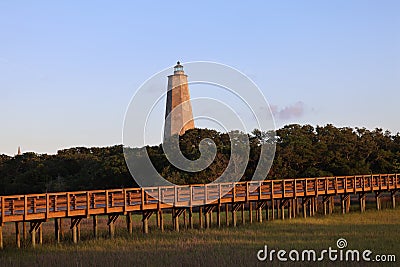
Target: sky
{"x":69,"y":69}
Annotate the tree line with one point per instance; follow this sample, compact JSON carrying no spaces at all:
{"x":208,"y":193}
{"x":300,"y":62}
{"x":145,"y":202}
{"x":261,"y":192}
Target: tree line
{"x":301,"y":151}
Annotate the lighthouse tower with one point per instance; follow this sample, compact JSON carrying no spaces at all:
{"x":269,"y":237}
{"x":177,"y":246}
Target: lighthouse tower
{"x":178,"y":114}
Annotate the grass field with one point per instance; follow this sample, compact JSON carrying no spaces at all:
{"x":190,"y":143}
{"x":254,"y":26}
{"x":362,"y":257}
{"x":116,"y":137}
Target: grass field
{"x":377,"y":231}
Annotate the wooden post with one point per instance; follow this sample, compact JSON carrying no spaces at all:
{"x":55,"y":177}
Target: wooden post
{"x":233,"y":216}
{"x":331,"y":204}
{"x":304,"y":203}
{"x":362,"y":202}
{"x":145,"y":222}
{"x":260,"y":219}
{"x":342,"y":203}
{"x":24,"y":231}
{"x":348,"y":203}
{"x":267,"y":212}
{"x":175,"y":217}
{"x":111,"y":227}
{"x":95,"y":230}
{"x":227,"y":214}
{"x":211,"y":217}
{"x":278,"y":209}
{"x":207,"y":218}
{"x":161,"y":221}
{"x":78,"y":232}
{"x":158,"y":218}
{"x":61,"y":228}
{"x":201,"y":217}
{"x":1,"y":237}
{"x":17,"y":235}
{"x":129,"y":223}
{"x":365,"y":203}
{"x":314,"y":205}
{"x":256,"y":211}
{"x":191,"y":217}
{"x":289,"y":208}
{"x":219,"y":216}
{"x":184,"y":219}
{"x":243,"y":218}
{"x":33,"y":237}
{"x":282,"y":207}
{"x":294,"y":209}
{"x":273,"y":209}
{"x":56,"y":230}
{"x":393,"y":195}
{"x":74,"y":233}
{"x":297,"y":206}
{"x":250,"y":212}
{"x":41,"y":233}
{"x":378,"y":201}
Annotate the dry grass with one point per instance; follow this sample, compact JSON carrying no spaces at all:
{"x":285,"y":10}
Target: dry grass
{"x":228,"y":246}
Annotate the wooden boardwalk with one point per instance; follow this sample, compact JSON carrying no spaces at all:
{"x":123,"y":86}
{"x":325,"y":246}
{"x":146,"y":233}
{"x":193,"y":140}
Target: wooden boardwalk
{"x":279,"y":198}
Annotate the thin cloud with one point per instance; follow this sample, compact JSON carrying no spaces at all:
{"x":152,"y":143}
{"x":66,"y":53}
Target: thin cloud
{"x":295,"y":110}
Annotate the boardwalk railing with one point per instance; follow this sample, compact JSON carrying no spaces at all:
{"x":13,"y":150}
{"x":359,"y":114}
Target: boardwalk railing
{"x":37,"y":208}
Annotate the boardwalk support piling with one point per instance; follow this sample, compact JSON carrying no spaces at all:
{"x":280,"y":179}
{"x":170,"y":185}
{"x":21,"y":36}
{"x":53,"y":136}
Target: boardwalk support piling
{"x":24,"y":231}
{"x":273,"y":209}
{"x":111,"y":224}
{"x":362,"y":198}
{"x":325,"y":202}
{"x":378,"y":200}
{"x":175,"y":217}
{"x":227,"y":214}
{"x":201,"y":217}
{"x":57,"y":230}
{"x":129,"y":224}
{"x":393,"y":196}
{"x":34,"y":226}
{"x":207,"y":215}
{"x":74,"y":229}
{"x":161,"y":220}
{"x":278,"y":209}
{"x":17,"y":235}
{"x":250,"y":212}
{"x":235,"y":208}
{"x":184,"y":219}
{"x":1,"y":237}
{"x":260,"y":206}
{"x":345,"y":203}
{"x":145,"y":221}
{"x":191,"y":217}
{"x":304,"y":204}
{"x":219,"y":216}
{"x":95,"y":230}
{"x":282,"y":204}
{"x":243,"y":218}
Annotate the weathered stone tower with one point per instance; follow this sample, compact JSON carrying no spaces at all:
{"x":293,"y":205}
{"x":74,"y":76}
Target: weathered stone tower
{"x":178,"y":114}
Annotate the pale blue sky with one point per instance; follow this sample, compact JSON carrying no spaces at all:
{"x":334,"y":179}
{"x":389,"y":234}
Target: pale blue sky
{"x":68,"y":70}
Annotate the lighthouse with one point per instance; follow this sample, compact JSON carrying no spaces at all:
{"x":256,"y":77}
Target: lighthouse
{"x":178,"y":113}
